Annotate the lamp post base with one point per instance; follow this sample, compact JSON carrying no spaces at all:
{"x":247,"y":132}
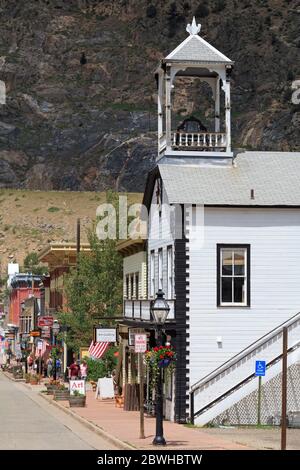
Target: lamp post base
{"x":159,"y":441}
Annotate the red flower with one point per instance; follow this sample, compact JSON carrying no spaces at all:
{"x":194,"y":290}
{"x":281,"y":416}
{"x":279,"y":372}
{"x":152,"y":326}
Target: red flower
{"x":161,"y":356}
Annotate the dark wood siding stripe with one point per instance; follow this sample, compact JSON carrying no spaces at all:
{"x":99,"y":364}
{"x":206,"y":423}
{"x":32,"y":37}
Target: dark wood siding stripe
{"x":181,"y":262}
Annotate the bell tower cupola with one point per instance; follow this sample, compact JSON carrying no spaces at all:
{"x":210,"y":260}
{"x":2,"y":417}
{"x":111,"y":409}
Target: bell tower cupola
{"x":194,"y":59}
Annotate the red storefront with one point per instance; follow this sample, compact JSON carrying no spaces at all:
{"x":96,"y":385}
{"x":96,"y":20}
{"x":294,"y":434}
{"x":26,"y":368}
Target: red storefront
{"x":21,"y":289}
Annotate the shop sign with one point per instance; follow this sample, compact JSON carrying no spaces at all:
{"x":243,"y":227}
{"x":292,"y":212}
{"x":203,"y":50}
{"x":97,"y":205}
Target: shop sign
{"x":105,"y":335}
{"x":77,"y":385}
{"x":35,"y":333}
{"x":140,"y":343}
{"x":45,"y":321}
{"x":45,"y":332}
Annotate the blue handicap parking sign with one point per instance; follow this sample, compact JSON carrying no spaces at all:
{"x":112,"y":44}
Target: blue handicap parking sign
{"x":260,"y":368}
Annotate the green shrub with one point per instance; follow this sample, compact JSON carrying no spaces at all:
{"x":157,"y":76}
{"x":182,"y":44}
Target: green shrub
{"x":98,"y":368}
{"x":53,"y":209}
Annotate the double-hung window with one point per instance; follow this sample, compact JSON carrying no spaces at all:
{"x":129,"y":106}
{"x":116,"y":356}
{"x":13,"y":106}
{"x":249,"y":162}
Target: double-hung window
{"x":152,"y":274}
{"x":233,"y":275}
{"x":160,"y":268}
{"x":170,"y":272}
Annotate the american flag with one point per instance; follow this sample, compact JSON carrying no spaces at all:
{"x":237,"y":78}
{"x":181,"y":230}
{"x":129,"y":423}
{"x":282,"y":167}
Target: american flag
{"x":97,"y":350}
{"x":41,"y":351}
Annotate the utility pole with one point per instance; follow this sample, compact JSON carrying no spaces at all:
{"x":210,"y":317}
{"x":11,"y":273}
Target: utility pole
{"x":284,"y":388}
{"x":78,"y":241}
{"x":141,"y":374}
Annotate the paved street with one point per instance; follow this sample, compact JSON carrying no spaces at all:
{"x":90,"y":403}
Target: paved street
{"x":28,"y":422}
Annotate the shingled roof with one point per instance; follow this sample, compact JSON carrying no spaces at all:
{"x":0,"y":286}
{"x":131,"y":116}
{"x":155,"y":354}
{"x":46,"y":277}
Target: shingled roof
{"x":274,"y":178}
{"x":196,"y":50}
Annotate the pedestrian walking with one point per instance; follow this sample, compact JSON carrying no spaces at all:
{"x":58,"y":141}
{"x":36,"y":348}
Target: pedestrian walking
{"x":83,"y":370}
{"x":74,"y":371}
{"x":49,"y":367}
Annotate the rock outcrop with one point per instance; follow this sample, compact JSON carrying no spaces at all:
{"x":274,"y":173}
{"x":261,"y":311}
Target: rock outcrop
{"x":80,"y":108}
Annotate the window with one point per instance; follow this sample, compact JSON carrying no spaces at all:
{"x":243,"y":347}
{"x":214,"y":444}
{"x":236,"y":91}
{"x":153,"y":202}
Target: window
{"x":152,"y":274}
{"x":132,"y":286}
{"x":127,"y":286}
{"x":136,"y":285}
{"x":233,"y":275}
{"x":170,"y":272}
{"x":160,"y":268}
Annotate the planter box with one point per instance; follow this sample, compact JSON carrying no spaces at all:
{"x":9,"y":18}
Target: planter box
{"x":17,"y":372}
{"x":61,"y":395}
{"x":119,"y":401}
{"x":77,"y":401}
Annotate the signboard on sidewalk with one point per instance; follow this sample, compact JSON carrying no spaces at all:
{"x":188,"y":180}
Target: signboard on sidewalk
{"x":105,"y":388}
{"x":260,"y":368}
{"x":105,"y":335}
{"x":78,"y":386}
{"x":140,"y":343}
{"x":45,"y":321}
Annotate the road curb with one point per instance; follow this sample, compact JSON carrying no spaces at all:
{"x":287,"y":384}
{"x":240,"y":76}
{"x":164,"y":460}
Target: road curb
{"x":93,"y":427}
{"x":8,"y":375}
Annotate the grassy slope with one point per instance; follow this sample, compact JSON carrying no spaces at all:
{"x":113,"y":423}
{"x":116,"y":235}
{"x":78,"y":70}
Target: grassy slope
{"x":31,"y":219}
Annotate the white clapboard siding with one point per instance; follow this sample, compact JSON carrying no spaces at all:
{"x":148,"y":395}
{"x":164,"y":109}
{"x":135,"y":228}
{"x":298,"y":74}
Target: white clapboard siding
{"x":274,"y":236}
{"x":160,"y":237}
{"x":136,"y":263}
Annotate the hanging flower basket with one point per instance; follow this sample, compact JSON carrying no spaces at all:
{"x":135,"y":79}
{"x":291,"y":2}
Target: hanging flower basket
{"x":164,"y":363}
{"x":158,"y":358}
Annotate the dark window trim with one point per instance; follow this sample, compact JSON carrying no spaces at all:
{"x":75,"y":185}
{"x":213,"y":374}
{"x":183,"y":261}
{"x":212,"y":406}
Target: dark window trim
{"x":160,"y":251}
{"x":152,"y":274}
{"x":248,"y":252}
{"x":170,"y":248}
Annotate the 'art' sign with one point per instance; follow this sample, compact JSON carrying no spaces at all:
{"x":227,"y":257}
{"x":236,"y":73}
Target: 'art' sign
{"x":77,"y":385}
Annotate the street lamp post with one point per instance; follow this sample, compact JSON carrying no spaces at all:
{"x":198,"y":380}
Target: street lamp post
{"x":159,"y":310}
{"x":55,"y":331}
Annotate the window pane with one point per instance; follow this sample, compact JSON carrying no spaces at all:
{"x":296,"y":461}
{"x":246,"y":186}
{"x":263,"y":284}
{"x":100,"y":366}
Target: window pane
{"x":137,"y":285}
{"x":227,"y":262}
{"x":239,"y":263}
{"x":226,"y":289}
{"x":239,"y":289}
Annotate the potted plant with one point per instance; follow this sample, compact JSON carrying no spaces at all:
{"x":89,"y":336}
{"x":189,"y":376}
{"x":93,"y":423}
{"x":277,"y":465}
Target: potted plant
{"x":94,"y":385}
{"x":18,"y":372}
{"x":119,"y":399}
{"x":61,"y":393}
{"x":77,"y":400}
{"x":33,"y":379}
{"x":52,"y":385}
{"x":27,"y":378}
{"x":158,"y":358}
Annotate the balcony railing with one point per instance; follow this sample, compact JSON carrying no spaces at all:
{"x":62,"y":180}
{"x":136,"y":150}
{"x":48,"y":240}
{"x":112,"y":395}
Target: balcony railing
{"x":140,"y":310}
{"x":199,"y":141}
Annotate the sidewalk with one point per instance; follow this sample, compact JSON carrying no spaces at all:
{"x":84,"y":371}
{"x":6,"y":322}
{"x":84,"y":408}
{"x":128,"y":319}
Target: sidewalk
{"x":124,"y":425}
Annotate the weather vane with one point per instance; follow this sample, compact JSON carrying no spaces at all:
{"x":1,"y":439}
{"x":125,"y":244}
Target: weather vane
{"x":193,"y":28}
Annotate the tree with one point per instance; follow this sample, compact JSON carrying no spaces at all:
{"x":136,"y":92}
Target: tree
{"x":32,"y":264}
{"x":93,"y":289}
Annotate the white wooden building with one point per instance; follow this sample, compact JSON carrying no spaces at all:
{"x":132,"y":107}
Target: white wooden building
{"x":224,"y":245}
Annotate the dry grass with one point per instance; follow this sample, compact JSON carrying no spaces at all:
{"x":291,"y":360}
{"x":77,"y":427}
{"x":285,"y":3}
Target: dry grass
{"x":31,"y":219}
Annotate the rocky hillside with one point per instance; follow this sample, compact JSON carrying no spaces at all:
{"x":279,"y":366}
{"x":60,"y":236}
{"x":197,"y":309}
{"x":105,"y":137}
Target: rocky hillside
{"x":80,"y":110}
{"x":30,"y":220}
